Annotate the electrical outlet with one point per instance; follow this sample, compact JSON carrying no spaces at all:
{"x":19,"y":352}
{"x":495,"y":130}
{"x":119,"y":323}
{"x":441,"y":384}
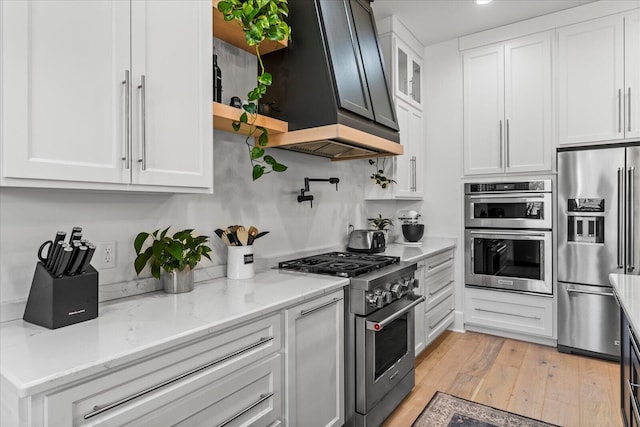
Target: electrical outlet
{"x":105,"y":256}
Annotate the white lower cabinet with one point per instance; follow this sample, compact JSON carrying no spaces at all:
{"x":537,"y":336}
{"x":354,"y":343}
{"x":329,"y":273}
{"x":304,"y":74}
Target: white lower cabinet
{"x":286,"y":368}
{"x":509,"y":312}
{"x":233,"y":376}
{"x":436,"y":314}
{"x":314,"y":362}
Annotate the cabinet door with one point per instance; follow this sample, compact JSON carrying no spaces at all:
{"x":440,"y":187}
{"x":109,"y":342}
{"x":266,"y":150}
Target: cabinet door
{"x":315,"y":362}
{"x":372,"y":61}
{"x":415,"y":81}
{"x":632,"y":74}
{"x":528,"y":137}
{"x":410,"y":166}
{"x":590,"y":81}
{"x":63,"y":67}
{"x":420,"y":333}
{"x":346,"y":63}
{"x":483,"y":110}
{"x":172,"y":109}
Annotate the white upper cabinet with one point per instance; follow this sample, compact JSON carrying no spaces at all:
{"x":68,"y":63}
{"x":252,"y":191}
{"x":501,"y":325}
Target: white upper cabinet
{"x":63,"y":65}
{"x":508,"y":106}
{"x":75,"y":111}
{"x":404,"y":65}
{"x":407,"y":74}
{"x":591,"y":81}
{"x":632,"y":74}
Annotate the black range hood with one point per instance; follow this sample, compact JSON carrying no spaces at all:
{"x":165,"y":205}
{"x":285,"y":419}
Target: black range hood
{"x":330,"y":83}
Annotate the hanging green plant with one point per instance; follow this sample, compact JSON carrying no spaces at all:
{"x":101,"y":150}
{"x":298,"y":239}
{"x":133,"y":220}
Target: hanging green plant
{"x":260,"y":20}
{"x":378,"y":176}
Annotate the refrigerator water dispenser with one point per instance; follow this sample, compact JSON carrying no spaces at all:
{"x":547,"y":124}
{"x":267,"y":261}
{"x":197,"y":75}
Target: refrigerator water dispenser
{"x":585,"y":221}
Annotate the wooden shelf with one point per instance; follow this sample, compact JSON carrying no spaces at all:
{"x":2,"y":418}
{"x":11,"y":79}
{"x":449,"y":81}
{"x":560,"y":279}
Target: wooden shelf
{"x":224,"y":115}
{"x":232,"y":33}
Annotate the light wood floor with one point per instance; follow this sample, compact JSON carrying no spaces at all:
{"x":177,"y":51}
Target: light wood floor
{"x":528,"y":379}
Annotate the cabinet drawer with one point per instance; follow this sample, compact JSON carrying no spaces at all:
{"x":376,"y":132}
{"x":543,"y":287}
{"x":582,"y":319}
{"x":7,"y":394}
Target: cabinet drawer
{"x":139,"y":388}
{"x":439,"y":318}
{"x":439,"y":262}
{"x":439,"y":284}
{"x":509,"y":311}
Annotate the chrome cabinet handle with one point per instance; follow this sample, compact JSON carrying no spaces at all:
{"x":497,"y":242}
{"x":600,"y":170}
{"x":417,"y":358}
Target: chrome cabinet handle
{"x":127,"y":118}
{"x":634,"y":404}
{"x":620,"y":216}
{"x":99,"y":409}
{"x":508,"y":314}
{"x":632,"y":223}
{"x":506,"y":148}
{"x":500,"y":127}
{"x":143,"y":122}
{"x":263,"y":397}
{"x":378,"y":326}
{"x":431,"y":267}
{"x":619,"y":110}
{"x":581,"y":291}
{"x":316,"y":308}
{"x":629,"y":110}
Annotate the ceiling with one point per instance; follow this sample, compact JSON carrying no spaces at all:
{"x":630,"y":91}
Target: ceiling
{"x":434,"y":21}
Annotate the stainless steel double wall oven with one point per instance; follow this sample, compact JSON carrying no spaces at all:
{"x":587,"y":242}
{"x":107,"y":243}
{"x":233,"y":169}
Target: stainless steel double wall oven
{"x":508,"y":239}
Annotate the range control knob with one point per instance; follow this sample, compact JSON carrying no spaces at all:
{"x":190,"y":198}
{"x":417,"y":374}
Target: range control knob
{"x":388,"y":297}
{"x":397,"y":290}
{"x":372,"y":300}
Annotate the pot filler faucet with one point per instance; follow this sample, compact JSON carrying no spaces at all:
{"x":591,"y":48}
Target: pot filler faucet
{"x":308,"y":197}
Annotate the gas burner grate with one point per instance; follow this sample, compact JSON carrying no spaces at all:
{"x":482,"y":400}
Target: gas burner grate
{"x":343,"y":264}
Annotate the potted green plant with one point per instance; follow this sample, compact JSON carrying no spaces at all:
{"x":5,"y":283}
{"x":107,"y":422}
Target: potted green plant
{"x":378,"y":176}
{"x":380,"y":223}
{"x":260,"y":20}
{"x":171,"y":259}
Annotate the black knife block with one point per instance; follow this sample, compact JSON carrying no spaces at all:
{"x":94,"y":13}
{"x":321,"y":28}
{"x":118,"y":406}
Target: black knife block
{"x":55,"y":302}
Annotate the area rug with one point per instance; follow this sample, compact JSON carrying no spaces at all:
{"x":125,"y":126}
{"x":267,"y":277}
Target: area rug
{"x":444,"y":410}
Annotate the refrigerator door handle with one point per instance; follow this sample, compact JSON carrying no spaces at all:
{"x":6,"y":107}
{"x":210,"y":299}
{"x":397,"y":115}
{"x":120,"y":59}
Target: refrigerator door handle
{"x":620,"y":216}
{"x":632,"y":226}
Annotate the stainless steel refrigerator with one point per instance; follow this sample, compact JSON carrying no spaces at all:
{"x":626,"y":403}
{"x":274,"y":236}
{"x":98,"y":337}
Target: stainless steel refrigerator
{"x":598,"y":233}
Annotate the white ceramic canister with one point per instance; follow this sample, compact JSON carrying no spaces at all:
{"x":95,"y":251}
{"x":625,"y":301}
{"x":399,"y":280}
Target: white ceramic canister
{"x":240,"y":262}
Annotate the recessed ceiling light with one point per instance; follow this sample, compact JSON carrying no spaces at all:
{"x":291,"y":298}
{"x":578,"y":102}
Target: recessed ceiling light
{"x":483,"y":1}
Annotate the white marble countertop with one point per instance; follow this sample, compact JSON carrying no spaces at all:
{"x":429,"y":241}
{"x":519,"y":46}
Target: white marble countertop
{"x":627,"y":289}
{"x":33,"y":358}
{"x":430,"y":246}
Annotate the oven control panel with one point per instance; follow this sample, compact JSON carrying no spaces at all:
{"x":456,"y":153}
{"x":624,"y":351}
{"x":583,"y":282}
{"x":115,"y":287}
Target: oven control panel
{"x":380,"y":297}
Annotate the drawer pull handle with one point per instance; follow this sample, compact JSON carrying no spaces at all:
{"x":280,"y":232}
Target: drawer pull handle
{"x":99,"y":409}
{"x":263,"y":397}
{"x":443,"y":286}
{"x":632,"y":338}
{"x":509,"y":314}
{"x":580,"y":291}
{"x":634,"y":403}
{"x":431,"y":267}
{"x":311,"y":310}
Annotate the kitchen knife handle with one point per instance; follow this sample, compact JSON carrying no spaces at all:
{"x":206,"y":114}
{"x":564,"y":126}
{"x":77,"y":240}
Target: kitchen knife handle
{"x":53,"y":259}
{"x":86,"y":261}
{"x":620,"y":216}
{"x":632,"y":223}
{"x":143,"y":122}
{"x":64,"y":261}
{"x":127,"y":118}
{"x":76,"y":259}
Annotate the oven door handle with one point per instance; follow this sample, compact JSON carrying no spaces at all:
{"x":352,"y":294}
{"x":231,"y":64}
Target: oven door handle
{"x":506,"y":233}
{"x":505,"y":197}
{"x":379,"y":325}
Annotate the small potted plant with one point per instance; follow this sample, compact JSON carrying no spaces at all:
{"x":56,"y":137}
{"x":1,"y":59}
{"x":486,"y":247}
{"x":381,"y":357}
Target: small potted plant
{"x":382,"y":224}
{"x":171,"y":259}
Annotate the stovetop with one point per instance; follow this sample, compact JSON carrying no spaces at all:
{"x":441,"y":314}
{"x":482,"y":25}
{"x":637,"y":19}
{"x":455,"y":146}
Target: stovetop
{"x":342,"y":264}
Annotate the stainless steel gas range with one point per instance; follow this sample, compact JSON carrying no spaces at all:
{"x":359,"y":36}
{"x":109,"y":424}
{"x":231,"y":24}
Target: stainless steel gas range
{"x":379,"y":366}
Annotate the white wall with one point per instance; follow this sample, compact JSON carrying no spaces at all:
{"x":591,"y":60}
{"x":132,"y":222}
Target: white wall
{"x":443,"y":129}
{"x":30,"y":216}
